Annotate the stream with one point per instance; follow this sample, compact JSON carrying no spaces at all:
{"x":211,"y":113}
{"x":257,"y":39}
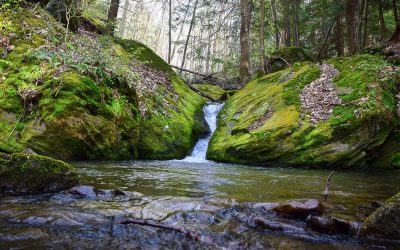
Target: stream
{"x":215,"y":202}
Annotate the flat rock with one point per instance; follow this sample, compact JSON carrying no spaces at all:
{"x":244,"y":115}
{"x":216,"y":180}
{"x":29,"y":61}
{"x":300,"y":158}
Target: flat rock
{"x":331,"y":225}
{"x":300,"y":208}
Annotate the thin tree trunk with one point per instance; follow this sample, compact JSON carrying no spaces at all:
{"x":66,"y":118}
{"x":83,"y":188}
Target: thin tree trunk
{"x":190,"y":31}
{"x":262,"y":34}
{"x":296,"y":35}
{"x":287,"y":25}
{"x":339,"y":34}
{"x":350,"y":9}
{"x":244,"y":41}
{"x":365,"y":34}
{"x":383,"y":30}
{"x":275,"y":17}
{"x":181,"y":30}
{"x":395,"y":11}
{"x":169,"y":31}
{"x":124,"y":15}
{"x":112,"y":14}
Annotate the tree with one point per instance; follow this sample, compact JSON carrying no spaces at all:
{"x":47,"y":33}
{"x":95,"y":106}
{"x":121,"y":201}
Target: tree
{"x":244,"y":68}
{"x":124,"y":18}
{"x":296,"y":35}
{"x":169,"y":30}
{"x":262,"y":34}
{"x":339,"y":35}
{"x":383,"y":29}
{"x":112,"y":14}
{"x":395,"y":11}
{"x":350,"y":9}
{"x":189,"y":32}
{"x":275,"y":20}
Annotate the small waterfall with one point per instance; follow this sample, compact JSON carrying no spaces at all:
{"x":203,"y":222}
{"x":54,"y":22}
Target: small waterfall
{"x":199,"y":152}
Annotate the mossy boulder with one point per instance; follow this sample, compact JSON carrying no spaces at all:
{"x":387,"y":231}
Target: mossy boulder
{"x":280,"y":59}
{"x":265,"y":122}
{"x":212,"y":92}
{"x":95,"y":97}
{"x":384,"y":223}
{"x":34,"y":174}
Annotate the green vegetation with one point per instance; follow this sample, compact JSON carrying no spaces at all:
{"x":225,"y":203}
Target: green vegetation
{"x":72,"y":96}
{"x":32,"y":174}
{"x":261,"y":123}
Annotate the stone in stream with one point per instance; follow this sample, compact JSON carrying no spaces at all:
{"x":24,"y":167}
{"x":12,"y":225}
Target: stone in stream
{"x":332,"y":225}
{"x":34,"y":174}
{"x":384,"y":223}
{"x":162,"y":208}
{"x":276,"y":226}
{"x":85,"y":191}
{"x":300,"y":208}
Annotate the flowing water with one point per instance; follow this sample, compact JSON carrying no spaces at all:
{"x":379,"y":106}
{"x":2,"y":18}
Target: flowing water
{"x":214,"y":200}
{"x":200,"y":149}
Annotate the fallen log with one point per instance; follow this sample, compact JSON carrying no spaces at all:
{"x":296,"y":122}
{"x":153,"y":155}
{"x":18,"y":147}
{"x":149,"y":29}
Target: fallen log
{"x":197,"y":73}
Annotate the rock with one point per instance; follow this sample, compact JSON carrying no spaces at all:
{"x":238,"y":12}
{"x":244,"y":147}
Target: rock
{"x":34,"y":174}
{"x":147,"y":111}
{"x":85,"y":191}
{"x":162,"y":208}
{"x":331,"y":225}
{"x":276,"y":226}
{"x":303,"y":120}
{"x":118,"y":192}
{"x":384,"y":223}
{"x":280,"y":58}
{"x":364,"y":211}
{"x":299,"y":208}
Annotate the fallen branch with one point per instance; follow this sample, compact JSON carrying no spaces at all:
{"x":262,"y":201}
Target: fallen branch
{"x":197,"y":73}
{"x":328,"y":182}
{"x":171,"y":228}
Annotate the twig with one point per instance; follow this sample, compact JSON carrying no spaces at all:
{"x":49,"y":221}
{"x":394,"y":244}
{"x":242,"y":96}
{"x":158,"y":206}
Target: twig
{"x":328,"y":182}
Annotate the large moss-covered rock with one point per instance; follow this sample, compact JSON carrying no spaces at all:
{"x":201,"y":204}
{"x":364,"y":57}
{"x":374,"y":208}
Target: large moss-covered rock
{"x":280,"y":59}
{"x":282,"y":119}
{"x":34,"y":174}
{"x":384,"y":223}
{"x":211,"y":92}
{"x":96,"y":97}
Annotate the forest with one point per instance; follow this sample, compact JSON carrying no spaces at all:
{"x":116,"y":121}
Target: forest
{"x":199,"y":124}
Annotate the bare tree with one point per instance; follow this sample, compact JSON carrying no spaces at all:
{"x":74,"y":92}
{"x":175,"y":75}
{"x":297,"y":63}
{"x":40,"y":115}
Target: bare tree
{"x":112,"y":14}
{"x":189,"y":32}
{"x":262,"y":34}
{"x":244,"y":41}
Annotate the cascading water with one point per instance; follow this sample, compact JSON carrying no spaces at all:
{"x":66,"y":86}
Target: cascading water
{"x":199,"y":152}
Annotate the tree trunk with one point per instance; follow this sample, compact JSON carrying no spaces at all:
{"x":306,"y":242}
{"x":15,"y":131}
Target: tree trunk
{"x":124,"y":15}
{"x":188,"y":36}
{"x":395,"y":11}
{"x":365,"y":33}
{"x":244,"y":41}
{"x":383,"y":30}
{"x":262,"y":33}
{"x":169,"y":31}
{"x":275,"y":17}
{"x":112,"y":14}
{"x":339,"y":35}
{"x":350,"y":9}
{"x":287,"y":25}
{"x":296,"y":35}
{"x":181,"y":30}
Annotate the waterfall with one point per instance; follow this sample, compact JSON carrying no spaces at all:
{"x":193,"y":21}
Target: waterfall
{"x":199,"y":152}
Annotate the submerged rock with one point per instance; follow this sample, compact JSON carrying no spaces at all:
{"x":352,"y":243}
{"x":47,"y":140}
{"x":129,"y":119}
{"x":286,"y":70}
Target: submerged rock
{"x":384,"y":223}
{"x":332,"y":225}
{"x":34,"y":174}
{"x":299,"y":208}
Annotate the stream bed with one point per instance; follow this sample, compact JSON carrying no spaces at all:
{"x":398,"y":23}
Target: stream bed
{"x":216,"y":202}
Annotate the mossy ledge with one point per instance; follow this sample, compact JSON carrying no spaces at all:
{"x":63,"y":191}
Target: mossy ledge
{"x":34,"y":174}
{"x":264,"y":124}
{"x":95,"y":97}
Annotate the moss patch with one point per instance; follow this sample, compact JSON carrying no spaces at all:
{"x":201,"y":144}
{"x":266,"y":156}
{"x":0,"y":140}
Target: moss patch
{"x":34,"y":174}
{"x":261,"y":124}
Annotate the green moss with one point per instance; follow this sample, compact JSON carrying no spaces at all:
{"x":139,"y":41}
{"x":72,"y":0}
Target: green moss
{"x":261,"y":124}
{"x":32,"y":174}
{"x":214,"y":92}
